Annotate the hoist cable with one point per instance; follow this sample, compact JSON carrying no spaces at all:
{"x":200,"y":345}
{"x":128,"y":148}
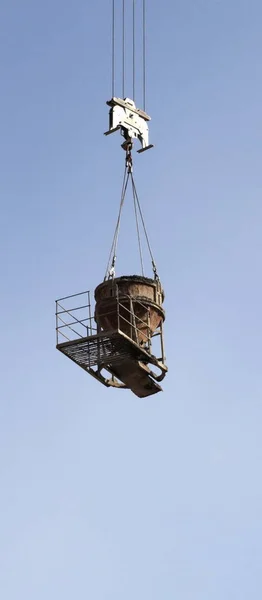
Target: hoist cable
{"x":120,"y":212}
{"x":138,"y":231}
{"x":144,"y":54}
{"x":112,"y":254}
{"x":113,"y":48}
{"x":116,"y":234}
{"x":123,"y":48}
{"x":134,"y":49}
{"x":143,"y":223}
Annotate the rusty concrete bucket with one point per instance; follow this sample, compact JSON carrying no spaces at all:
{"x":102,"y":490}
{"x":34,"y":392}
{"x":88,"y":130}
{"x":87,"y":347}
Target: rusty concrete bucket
{"x":131,"y":304}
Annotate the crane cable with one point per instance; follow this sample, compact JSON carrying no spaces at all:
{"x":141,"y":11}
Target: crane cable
{"x":144,"y":55}
{"x":123,"y":43}
{"x":138,"y":232}
{"x":123,"y":49}
{"x":113,"y":48}
{"x":128,"y":174}
{"x":144,"y":227}
{"x":134,"y":48}
{"x":112,"y":256}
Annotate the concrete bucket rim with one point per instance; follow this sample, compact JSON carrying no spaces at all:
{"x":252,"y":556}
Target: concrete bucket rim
{"x":130,"y":278}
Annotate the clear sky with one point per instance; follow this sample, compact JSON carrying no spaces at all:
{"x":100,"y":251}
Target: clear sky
{"x":105,"y":496}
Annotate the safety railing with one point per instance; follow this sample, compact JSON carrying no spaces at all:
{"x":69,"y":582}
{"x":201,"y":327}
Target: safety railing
{"x":75,"y":320}
{"x":140,"y":331}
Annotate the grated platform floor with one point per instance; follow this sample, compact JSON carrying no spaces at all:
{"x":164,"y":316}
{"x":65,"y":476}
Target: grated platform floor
{"x":102,"y":349}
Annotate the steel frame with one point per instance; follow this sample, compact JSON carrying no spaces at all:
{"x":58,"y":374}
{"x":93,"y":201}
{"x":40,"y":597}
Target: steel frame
{"x":81,"y":339}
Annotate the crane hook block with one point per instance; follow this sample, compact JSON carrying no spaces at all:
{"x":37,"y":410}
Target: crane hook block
{"x":131,"y":122}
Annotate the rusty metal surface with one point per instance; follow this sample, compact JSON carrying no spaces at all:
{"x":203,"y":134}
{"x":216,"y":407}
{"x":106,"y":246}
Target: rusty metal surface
{"x":135,"y":376}
{"x":132,"y":304}
{"x":135,"y":285}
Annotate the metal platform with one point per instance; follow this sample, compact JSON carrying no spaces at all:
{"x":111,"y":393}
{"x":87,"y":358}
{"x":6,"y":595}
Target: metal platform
{"x":102,"y":349}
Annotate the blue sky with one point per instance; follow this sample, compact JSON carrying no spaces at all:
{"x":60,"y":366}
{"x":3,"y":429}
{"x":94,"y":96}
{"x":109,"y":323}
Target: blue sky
{"x":103,"y":495}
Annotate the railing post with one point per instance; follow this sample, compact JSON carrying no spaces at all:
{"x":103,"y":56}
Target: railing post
{"x":162,"y":343}
{"x":56,"y":322}
{"x":149,"y":331}
{"x":131,"y":317}
{"x":117,"y":308}
{"x":89,"y":314}
{"x":133,"y":320}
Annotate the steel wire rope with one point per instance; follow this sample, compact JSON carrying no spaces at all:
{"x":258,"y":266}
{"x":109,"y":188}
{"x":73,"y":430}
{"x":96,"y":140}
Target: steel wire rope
{"x":123,"y":48}
{"x":113,"y":48}
{"x":144,"y":226}
{"x":138,"y":231}
{"x":112,"y":255}
{"x":134,"y":48}
{"x":144,"y":54}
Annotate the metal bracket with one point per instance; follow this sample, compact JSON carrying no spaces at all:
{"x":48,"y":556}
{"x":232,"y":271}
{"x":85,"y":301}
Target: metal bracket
{"x":131,"y":122}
